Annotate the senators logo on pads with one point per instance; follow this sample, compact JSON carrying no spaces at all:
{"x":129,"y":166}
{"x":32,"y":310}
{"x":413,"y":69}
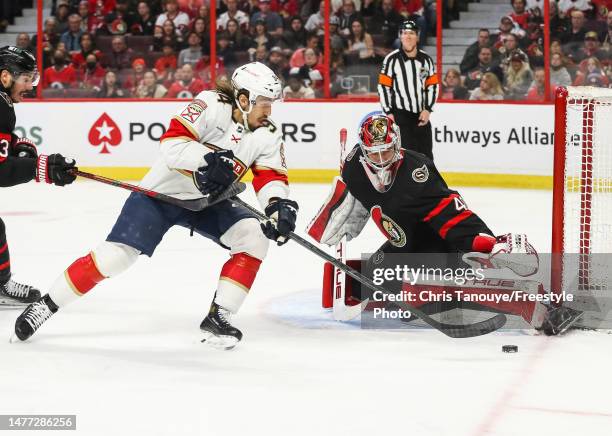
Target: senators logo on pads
{"x":193,"y":111}
{"x":394,"y":233}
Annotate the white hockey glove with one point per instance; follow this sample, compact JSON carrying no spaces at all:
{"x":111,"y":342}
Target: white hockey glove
{"x":341,"y":215}
{"x":511,"y":251}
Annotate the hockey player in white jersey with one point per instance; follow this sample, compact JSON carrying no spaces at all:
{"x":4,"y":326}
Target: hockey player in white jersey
{"x":210,"y":144}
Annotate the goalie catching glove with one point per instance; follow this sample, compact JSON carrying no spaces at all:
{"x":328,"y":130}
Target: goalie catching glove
{"x":218,"y":173}
{"x":341,"y":215}
{"x":511,"y":251}
{"x":282,"y":214}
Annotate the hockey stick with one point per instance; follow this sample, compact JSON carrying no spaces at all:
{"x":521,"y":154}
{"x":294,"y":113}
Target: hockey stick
{"x":341,"y":311}
{"x":451,"y":330}
{"x":193,"y":205}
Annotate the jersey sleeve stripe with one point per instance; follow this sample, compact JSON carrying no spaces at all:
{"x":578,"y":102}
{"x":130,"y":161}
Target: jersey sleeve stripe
{"x":431,"y":80}
{"x":440,"y":207}
{"x":453,"y":222}
{"x":385,"y":80}
{"x":178,"y":129}
{"x":263,"y":177}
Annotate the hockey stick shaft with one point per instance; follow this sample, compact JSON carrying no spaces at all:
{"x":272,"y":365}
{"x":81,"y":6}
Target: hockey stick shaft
{"x":451,"y":330}
{"x":193,"y":205}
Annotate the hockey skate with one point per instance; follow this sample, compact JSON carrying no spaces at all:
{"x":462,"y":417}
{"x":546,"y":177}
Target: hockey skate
{"x":33,"y":317}
{"x":559,"y":320}
{"x":13,"y":294}
{"x":218,"y":332}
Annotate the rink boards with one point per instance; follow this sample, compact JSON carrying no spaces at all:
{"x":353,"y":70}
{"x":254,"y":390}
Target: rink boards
{"x":505,"y":145}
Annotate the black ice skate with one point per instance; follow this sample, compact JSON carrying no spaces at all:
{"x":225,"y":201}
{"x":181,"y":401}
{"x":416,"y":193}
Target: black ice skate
{"x":218,"y":332}
{"x":559,"y":319}
{"x":17,"y":294}
{"x":33,"y":317}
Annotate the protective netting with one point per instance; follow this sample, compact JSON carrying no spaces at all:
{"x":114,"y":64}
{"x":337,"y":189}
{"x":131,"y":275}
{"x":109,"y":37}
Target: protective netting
{"x":587,"y":220}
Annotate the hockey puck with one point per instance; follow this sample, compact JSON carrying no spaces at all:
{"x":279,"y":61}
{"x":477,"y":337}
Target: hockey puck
{"x":510,"y":348}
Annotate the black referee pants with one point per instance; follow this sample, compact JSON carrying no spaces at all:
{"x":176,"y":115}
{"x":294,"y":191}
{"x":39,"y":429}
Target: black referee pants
{"x":414,"y":137}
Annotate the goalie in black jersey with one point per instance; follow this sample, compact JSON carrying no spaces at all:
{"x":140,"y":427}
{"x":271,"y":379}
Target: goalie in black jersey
{"x":19,"y":159}
{"x":411,"y":204}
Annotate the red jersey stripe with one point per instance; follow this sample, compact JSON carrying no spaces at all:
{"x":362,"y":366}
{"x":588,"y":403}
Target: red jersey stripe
{"x":453,"y":222}
{"x":262,"y":177}
{"x":436,"y":210}
{"x":177,"y":129}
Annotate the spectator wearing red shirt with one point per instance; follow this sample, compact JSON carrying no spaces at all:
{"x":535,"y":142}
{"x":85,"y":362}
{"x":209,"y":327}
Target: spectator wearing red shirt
{"x":312,"y":71}
{"x":519,"y":14}
{"x":165,"y":66}
{"x":87,"y":47}
{"x":415,"y":10}
{"x":91,"y":74}
{"x":132,"y":81}
{"x":61,"y":75}
{"x":186,"y":86}
{"x":537,"y":89}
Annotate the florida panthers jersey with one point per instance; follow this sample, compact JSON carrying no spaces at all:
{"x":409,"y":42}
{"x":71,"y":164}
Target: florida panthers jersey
{"x":206,"y":125}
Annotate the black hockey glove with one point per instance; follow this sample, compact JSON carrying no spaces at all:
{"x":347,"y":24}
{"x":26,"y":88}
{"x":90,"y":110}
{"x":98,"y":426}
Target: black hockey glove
{"x":218,"y":173}
{"x":55,"y":169}
{"x":282,"y":214}
{"x":23,"y":147}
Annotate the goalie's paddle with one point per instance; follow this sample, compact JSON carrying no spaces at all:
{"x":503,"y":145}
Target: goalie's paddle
{"x":451,"y":330}
{"x":193,"y":205}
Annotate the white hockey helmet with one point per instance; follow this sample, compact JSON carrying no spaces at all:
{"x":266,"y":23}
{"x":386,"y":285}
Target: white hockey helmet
{"x":259,"y":81}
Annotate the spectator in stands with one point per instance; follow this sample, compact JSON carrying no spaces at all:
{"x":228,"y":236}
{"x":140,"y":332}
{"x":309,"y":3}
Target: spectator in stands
{"x":452,"y":88}
{"x":166,"y":35}
{"x":225,"y":52}
{"x":23,"y":41}
{"x":386,"y":21}
{"x":519,"y":13}
{"x":90,"y":73}
{"x":233,"y":13}
{"x":172,"y":13}
{"x":50,"y":39}
{"x":415,"y":10}
{"x":297,"y":58}
{"x":590,"y":48}
{"x":288,"y":8}
{"x":277,"y":62}
{"x":537,"y":90}
{"x":470,"y":57}
{"x":185,"y":86}
{"x":61,"y":75}
{"x":518,"y":78}
{"x":144,"y":23}
{"x":111,"y":88}
{"x":559,"y":76}
{"x":347,"y":14}
{"x":511,"y":44}
{"x":568,"y":6}
{"x":203,"y":12}
{"x":119,"y":21}
{"x":590,"y":73}
{"x":149,"y":88}
{"x":295,"y":36}
{"x":534,"y":41}
{"x":312,"y":71}
{"x":274,"y":22}
{"x":237,"y":40}
{"x":337,"y":42}
{"x":61,"y":15}
{"x":132,"y":80}
{"x":262,"y":37}
{"x":87,"y":47}
{"x":316,"y":21}
{"x":506,"y":27}
{"x":165,"y":66}
{"x":83,"y":11}
{"x":607,"y":40}
{"x":486,"y":64}
{"x":193,"y":53}
{"x":361,"y":46}
{"x":573,"y":39}
{"x":260,"y":54}
{"x":295,"y":88}
{"x":71,"y":37}
{"x":490,"y":89}
{"x":121,"y":56}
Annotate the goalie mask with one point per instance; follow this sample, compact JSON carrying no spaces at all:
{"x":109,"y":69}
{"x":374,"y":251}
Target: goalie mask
{"x":380,"y":143}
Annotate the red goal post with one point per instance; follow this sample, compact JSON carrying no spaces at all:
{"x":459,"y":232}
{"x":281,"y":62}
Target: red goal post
{"x":582,"y":188}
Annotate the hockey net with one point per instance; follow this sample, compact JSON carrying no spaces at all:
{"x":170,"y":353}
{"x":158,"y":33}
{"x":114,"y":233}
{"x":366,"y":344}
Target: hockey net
{"x":582,"y":198}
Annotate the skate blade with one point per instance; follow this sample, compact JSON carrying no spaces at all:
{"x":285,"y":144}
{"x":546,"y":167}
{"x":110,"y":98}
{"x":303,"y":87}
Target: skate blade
{"x":219,"y":342}
{"x":6,"y":303}
{"x":14,"y":339}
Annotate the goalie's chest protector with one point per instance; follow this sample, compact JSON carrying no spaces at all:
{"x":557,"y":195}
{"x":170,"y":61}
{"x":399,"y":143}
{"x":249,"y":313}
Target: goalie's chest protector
{"x":416,"y":190}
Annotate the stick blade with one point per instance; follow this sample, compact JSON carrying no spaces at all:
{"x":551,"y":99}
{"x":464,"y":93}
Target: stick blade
{"x":343,"y":312}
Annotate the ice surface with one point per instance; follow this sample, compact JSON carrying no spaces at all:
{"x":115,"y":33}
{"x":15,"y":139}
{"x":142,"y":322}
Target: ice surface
{"x":127,"y":358}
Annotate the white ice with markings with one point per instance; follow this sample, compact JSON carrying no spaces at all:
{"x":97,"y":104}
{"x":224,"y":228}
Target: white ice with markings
{"x":127,"y":358}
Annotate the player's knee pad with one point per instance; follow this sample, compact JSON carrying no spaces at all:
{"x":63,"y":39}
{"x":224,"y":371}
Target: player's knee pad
{"x":246,"y":237}
{"x":113,"y":258}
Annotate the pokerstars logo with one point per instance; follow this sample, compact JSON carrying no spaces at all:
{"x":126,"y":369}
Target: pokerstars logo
{"x":104,"y":133}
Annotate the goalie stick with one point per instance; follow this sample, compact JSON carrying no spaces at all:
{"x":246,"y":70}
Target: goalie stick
{"x":340,"y":310}
{"x":193,"y":205}
{"x":451,"y":330}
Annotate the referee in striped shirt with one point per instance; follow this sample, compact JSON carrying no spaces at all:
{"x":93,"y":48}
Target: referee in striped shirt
{"x":408,"y":87}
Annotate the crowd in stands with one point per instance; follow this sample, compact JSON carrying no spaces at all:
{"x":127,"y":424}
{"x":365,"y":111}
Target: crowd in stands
{"x":161,"y":48}
{"x":509,"y":64}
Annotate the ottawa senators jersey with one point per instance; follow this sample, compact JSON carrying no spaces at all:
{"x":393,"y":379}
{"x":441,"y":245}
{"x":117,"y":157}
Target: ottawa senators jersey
{"x":13,"y":170}
{"x":417,"y":197}
{"x":205,"y":125}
